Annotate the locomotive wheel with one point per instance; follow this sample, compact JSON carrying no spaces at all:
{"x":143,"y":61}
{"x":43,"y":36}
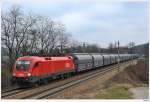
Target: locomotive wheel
{"x":36,"y":85}
{"x":62,"y":76}
{"x":45,"y":81}
{"x":68,"y":75}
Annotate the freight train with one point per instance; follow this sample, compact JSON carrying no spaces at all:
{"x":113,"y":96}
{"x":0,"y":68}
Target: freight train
{"x":34,"y":69}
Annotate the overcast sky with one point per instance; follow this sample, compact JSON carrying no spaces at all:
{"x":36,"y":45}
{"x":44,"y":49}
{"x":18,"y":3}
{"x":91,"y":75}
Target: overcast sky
{"x":94,"y":21}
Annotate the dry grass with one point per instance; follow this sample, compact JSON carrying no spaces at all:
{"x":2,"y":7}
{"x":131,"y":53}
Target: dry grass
{"x":117,"y":87}
{"x":115,"y":92}
{"x":135,"y":74}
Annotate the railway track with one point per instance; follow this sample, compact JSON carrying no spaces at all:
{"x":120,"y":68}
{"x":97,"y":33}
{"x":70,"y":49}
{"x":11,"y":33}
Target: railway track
{"x":11,"y":92}
{"x":58,"y":89}
{"x":4,"y":91}
{"x":44,"y":92}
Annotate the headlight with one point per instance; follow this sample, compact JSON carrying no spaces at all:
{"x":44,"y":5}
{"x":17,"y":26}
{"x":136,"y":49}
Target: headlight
{"x":29,"y":74}
{"x":14,"y":74}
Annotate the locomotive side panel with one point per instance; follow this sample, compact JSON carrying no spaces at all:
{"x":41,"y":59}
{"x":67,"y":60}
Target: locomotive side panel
{"x":56,"y":66}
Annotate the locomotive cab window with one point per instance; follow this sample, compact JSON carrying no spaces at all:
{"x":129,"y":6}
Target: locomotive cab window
{"x":36,"y":65}
{"x":22,"y":65}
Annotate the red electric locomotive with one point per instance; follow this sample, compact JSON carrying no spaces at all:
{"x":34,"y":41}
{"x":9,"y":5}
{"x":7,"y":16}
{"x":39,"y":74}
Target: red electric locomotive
{"x":34,"y":69}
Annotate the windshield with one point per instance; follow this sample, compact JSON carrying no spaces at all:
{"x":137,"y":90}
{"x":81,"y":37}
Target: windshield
{"x":22,"y":65}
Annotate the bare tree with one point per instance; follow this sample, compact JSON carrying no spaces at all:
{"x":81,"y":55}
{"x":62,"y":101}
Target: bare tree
{"x":63,"y":37}
{"x":130,"y":47}
{"x":47,"y":33}
{"x":10,"y":24}
{"x":93,"y":48}
{"x":15,"y":27}
{"x":73,"y":46}
{"x":110,"y":47}
{"x":24,"y":34}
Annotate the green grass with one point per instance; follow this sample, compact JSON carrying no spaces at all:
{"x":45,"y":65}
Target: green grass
{"x":116,"y":92}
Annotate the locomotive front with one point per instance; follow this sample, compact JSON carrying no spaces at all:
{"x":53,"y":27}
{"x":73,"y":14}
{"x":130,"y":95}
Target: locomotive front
{"x":23,"y":68}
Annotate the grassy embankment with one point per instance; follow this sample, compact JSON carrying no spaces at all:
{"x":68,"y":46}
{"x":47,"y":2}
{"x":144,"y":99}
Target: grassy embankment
{"x":118,"y":86}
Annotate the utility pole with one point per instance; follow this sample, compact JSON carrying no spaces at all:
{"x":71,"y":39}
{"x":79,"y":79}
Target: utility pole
{"x":118,"y":57}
